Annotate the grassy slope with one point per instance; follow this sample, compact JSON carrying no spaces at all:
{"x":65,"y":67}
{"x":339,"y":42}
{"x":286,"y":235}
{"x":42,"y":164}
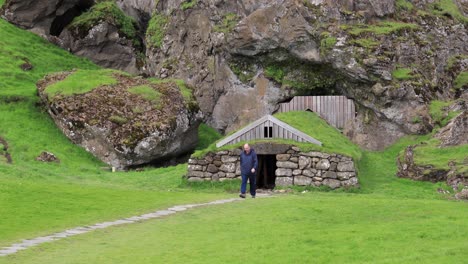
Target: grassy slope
{"x":387,"y":221}
{"x":38,"y":198}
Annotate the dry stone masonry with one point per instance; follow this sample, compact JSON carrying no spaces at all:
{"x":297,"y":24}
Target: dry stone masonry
{"x":294,"y":167}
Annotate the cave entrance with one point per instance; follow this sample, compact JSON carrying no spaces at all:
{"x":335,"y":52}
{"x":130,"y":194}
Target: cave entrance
{"x":266,"y":171}
{"x":60,"y":22}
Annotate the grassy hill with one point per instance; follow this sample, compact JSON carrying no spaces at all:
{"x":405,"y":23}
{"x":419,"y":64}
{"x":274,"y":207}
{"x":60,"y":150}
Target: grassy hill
{"x":387,"y":220}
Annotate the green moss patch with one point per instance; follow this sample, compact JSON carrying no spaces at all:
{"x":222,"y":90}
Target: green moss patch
{"x":367,"y":43}
{"x":227,"y":24}
{"x":439,"y":114}
{"x":207,"y":136}
{"x":402,"y":74}
{"x":461,"y":81}
{"x":448,"y":8}
{"x":185,"y":90}
{"x":156,"y":30}
{"x":381,"y":28}
{"x":148,"y":93}
{"x":188,"y":4}
{"x":327,"y":42}
{"x":81,"y":81}
{"x":105,"y":11}
{"x":404,"y":5}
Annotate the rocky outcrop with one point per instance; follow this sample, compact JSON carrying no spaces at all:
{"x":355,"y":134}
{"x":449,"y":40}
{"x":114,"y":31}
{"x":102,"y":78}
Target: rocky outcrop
{"x":46,"y":156}
{"x":43,"y":17}
{"x":104,"y":45}
{"x":408,"y":168}
{"x":293,"y":167}
{"x":129,"y":123}
{"x":102,"y":40}
{"x":456,"y":132}
{"x":244,"y":57}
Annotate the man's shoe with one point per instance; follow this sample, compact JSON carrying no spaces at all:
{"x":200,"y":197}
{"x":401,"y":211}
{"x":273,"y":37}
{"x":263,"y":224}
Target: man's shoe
{"x":253,"y":196}
{"x":242,"y":195}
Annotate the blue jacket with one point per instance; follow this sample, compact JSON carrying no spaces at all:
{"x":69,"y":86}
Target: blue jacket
{"x":248,"y":161}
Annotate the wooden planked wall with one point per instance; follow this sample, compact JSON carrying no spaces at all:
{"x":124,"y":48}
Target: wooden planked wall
{"x":336,"y":110}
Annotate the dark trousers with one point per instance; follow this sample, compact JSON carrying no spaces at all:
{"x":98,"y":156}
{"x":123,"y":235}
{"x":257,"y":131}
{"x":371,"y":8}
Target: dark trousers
{"x":251,"y":177}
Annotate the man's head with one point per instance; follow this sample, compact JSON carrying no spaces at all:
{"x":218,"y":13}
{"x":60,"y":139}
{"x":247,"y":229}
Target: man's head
{"x":247,"y":148}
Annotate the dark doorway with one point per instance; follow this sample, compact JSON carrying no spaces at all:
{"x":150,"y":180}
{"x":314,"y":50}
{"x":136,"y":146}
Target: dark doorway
{"x":266,"y":171}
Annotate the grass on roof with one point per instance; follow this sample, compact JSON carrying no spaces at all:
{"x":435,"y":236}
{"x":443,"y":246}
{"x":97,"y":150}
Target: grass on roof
{"x":311,"y":124}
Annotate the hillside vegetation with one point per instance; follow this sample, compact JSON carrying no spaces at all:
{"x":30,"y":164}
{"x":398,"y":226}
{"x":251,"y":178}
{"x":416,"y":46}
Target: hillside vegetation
{"x":387,"y":220}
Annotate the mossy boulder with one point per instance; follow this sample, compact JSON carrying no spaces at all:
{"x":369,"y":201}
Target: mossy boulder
{"x":124,"y":120}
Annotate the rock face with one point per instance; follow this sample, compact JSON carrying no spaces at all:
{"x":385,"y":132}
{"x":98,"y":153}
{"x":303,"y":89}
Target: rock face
{"x":103,"y":45}
{"x":244,"y":57}
{"x":124,"y":128}
{"x":456,"y":132}
{"x":293,"y":167}
{"x":103,"y":42}
{"x":44,"y":17}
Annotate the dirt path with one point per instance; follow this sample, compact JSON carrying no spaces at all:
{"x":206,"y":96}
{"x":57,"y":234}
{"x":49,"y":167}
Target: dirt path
{"x":27,"y":243}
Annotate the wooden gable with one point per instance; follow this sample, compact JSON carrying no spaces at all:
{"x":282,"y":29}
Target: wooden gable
{"x":267,"y":127}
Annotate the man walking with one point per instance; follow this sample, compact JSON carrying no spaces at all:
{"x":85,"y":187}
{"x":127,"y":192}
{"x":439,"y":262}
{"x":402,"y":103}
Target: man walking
{"x":248,"y":164}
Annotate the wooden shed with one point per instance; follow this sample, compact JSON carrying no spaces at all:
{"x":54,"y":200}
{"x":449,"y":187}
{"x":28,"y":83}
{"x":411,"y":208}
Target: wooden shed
{"x":267,"y":127}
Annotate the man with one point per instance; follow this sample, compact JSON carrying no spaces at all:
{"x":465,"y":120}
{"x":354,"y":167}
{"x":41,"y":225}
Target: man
{"x":248,"y":164}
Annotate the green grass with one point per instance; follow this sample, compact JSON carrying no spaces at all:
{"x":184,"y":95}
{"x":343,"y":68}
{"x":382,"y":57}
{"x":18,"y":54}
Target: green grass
{"x":185,"y":90}
{"x":440,"y":116}
{"x":105,"y":11}
{"x":448,"y":8}
{"x":147,"y":93}
{"x":82,"y":81}
{"x":381,"y":28}
{"x":227,"y":24}
{"x":430,"y":153}
{"x":332,"y":140}
{"x":206,"y":136}
{"x":327,"y":43}
{"x":404,"y":5}
{"x":156,"y":30}
{"x":309,"y":228}
{"x":188,"y":4}
{"x":387,"y":220}
{"x":402,"y":74}
{"x":461,"y":80}
{"x":367,"y":43}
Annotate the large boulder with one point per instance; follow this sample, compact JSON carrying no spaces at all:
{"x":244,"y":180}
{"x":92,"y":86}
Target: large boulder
{"x":127,"y":122}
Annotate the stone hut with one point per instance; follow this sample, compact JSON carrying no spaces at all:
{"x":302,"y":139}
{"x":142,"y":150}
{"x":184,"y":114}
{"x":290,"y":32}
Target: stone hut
{"x":278,"y":164}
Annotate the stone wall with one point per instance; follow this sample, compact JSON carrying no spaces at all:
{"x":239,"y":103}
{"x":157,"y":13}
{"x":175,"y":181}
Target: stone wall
{"x":294,"y":167}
